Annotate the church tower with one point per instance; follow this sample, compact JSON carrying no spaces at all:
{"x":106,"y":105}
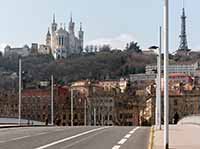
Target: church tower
{"x":183,"y":37}
{"x":54,"y":24}
{"x":81,"y":36}
{"x":48,"y":38}
{"x":71,"y":26}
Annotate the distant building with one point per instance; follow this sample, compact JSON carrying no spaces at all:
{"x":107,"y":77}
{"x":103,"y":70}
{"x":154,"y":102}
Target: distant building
{"x":34,"y":48}
{"x":187,"y":69}
{"x":142,"y":77}
{"x":45,"y":50}
{"x":108,"y":85}
{"x":149,"y":52}
{"x":184,"y":104}
{"x":23,"y":51}
{"x":62,"y":42}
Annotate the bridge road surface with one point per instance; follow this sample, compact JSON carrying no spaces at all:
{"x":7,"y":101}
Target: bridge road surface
{"x":74,"y":138}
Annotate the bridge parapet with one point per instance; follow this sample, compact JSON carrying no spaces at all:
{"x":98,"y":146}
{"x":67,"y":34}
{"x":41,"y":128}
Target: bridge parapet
{"x":4,"y":121}
{"x":193,"y":119}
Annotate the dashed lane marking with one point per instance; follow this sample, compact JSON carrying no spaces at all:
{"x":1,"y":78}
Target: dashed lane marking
{"x":125,"y":138}
{"x":116,"y":147}
{"x":122,"y":141}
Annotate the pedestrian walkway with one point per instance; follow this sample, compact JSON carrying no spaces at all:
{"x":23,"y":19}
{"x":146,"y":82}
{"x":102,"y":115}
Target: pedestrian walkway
{"x":180,"y":137}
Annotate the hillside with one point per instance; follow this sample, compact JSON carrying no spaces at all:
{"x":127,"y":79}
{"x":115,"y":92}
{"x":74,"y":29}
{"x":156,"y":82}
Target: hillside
{"x":101,"y":65}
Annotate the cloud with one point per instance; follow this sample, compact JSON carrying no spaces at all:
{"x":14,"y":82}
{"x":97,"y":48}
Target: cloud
{"x":115,"y":42}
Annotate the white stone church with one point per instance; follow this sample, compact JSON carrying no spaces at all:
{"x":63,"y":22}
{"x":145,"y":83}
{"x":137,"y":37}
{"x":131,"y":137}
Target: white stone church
{"x":62,"y":42}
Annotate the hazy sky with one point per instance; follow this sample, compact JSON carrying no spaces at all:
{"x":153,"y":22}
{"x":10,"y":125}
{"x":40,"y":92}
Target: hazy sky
{"x":111,"y":21}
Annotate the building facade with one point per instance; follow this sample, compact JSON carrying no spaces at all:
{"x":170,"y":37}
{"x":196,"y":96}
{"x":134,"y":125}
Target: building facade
{"x":22,"y":51}
{"x":186,"y":69}
{"x":62,"y":42}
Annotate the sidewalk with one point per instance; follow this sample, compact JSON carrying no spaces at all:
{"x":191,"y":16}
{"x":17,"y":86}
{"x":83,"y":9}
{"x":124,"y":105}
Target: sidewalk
{"x":180,"y":137}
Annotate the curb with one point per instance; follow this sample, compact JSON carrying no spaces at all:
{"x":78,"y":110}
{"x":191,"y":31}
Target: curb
{"x":151,"y":138}
{"x":17,"y":126}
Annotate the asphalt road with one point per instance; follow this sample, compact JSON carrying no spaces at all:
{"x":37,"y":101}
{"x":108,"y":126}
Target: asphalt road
{"x":75,"y":138}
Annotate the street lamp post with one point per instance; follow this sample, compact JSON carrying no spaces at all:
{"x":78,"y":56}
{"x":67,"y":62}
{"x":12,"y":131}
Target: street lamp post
{"x":20,"y":90}
{"x":85,"y":111}
{"x":159,"y":79}
{"x":52,"y":103}
{"x":166,"y":94}
{"x":95,"y":121}
{"x":72,"y":108}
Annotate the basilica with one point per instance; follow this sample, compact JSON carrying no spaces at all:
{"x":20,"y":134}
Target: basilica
{"x":63,"y":43}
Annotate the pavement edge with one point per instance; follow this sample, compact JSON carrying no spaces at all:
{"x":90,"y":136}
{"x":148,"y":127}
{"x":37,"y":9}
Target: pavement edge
{"x":151,"y":138}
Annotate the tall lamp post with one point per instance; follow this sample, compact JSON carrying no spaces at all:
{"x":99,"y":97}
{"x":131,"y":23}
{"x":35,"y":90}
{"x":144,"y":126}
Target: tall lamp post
{"x":72,"y":108}
{"x":85,"y":111}
{"x":166,"y":94}
{"x":52,"y":103}
{"x":20,"y":91}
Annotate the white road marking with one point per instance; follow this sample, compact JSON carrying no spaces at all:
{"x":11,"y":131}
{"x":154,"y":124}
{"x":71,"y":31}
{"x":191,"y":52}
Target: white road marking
{"x":70,"y":145}
{"x":132,"y":131}
{"x":70,"y":138}
{"x":122,"y":141}
{"x":19,"y":138}
{"x":23,"y":137}
{"x":42,"y":133}
{"x":116,"y":147}
{"x":127,"y":136}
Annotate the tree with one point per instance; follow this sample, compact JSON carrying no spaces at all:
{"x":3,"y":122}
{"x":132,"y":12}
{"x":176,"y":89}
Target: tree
{"x":87,"y":49}
{"x":105,"y":48}
{"x":133,"y":47}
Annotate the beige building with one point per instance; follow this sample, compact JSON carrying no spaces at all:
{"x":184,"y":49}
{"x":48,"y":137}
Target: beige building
{"x":22,"y":51}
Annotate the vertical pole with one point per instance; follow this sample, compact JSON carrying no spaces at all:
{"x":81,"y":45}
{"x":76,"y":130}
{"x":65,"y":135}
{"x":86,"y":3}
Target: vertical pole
{"x":52,"y":103}
{"x":20,"y":86}
{"x":72,"y":108}
{"x":159,"y":80}
{"x":85,"y":112}
{"x":166,"y":96}
{"x":157,"y":97}
{"x":95,"y":117}
{"x":102,"y":118}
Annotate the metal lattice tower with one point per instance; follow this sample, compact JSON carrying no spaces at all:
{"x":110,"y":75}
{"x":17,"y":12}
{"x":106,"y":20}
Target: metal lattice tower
{"x":183,"y":36}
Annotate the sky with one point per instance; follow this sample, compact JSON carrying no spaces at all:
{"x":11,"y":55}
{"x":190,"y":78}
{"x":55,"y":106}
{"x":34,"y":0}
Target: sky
{"x":114,"y":22}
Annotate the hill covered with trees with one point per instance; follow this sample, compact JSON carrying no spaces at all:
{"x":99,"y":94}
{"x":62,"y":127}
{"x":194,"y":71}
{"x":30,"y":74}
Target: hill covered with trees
{"x":105,"y":64}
